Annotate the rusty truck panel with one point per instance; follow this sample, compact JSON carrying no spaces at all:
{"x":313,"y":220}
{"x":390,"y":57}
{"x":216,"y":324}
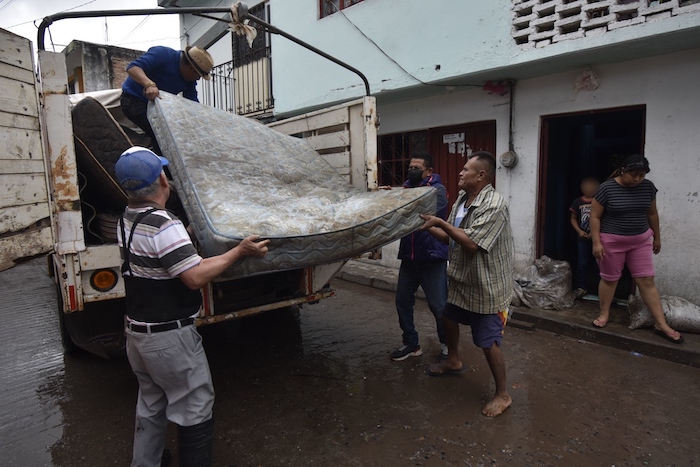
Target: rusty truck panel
{"x":25,"y":218}
{"x":60,"y":153}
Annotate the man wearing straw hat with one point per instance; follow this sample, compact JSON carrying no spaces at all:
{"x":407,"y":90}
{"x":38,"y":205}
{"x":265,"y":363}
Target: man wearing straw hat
{"x":162,"y":69}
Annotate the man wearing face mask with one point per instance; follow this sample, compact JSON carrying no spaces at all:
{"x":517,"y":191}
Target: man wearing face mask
{"x":423,"y":263}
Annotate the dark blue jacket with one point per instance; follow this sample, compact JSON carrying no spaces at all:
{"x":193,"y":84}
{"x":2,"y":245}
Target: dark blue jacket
{"x":420,"y":245}
{"x":162,"y":65}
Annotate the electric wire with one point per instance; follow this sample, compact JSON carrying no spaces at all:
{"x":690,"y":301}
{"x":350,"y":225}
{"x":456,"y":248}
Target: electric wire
{"x":6,"y":5}
{"x":392,"y":59}
{"x":198,"y":21}
{"x":51,"y":39}
{"x":78,"y":6}
{"x":136,"y":28}
{"x":37,"y":19}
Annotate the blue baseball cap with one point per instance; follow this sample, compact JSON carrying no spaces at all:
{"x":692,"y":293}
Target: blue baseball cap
{"x":140,"y":164}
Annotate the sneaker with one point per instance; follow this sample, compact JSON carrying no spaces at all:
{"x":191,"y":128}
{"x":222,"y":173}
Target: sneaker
{"x":403,"y":352}
{"x":442,"y":356}
{"x":580,"y":292}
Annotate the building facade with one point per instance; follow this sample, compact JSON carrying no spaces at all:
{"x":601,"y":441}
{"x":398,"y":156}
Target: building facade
{"x":95,"y":67}
{"x":570,"y":86}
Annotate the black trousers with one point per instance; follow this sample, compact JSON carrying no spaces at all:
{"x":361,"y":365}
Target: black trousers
{"x":135,"y":110}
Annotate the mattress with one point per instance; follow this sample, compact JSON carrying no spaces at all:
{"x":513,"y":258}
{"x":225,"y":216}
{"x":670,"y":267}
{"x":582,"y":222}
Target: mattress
{"x":237,"y":177}
{"x":100,"y":188}
{"x":102,"y":136}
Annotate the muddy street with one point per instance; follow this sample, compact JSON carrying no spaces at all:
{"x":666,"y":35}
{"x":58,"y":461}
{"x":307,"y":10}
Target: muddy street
{"x":316,"y":387}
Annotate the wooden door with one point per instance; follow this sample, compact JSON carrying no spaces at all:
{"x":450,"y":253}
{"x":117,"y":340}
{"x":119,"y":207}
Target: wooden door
{"x":450,"y":147}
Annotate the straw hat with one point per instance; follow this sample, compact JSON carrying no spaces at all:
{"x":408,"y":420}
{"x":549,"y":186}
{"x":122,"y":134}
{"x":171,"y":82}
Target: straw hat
{"x":201,"y":61}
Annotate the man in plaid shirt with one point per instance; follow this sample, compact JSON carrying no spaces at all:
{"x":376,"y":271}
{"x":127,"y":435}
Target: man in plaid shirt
{"x":480,"y":273}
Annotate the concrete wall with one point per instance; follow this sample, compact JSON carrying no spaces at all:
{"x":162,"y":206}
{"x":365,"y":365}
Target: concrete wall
{"x":464,"y":37}
{"x":103,"y":67}
{"x":667,"y":85}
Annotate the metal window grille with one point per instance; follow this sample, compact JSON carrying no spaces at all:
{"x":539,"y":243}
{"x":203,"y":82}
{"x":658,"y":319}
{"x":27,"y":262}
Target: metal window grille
{"x":328,"y":7}
{"x":395,"y":152}
{"x":250,"y":72}
{"x":218,"y":91}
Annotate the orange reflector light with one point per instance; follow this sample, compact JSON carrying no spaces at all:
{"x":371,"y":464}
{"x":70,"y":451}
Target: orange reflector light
{"x":103,"y":280}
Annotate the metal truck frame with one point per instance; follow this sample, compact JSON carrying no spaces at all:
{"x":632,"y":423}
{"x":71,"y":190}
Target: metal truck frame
{"x":42,"y":212}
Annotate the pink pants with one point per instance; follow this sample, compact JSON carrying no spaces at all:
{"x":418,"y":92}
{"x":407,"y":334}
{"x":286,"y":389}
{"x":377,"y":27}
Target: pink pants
{"x":634,"y":250}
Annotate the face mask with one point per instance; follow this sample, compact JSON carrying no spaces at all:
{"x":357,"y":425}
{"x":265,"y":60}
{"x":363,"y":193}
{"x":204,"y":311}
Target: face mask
{"x":415,"y":176}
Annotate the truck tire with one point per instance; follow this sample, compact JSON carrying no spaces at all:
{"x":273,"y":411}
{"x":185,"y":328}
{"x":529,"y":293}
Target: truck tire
{"x":69,"y":346}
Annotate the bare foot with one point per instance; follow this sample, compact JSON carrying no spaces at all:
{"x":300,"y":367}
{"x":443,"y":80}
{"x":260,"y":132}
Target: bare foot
{"x":445,"y":368}
{"x":600,"y":322}
{"x":497,"y":406}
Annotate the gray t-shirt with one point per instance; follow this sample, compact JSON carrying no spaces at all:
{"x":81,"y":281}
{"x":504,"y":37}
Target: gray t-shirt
{"x":626,"y":208}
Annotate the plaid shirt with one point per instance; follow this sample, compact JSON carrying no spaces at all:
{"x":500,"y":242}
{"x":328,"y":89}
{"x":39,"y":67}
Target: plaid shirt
{"x":482,"y":282}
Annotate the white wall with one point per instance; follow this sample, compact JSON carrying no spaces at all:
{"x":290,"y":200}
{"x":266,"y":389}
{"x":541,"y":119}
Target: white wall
{"x":667,"y":85}
{"x":221,"y":51}
{"x":462,"y":36}
{"x":469,"y":106}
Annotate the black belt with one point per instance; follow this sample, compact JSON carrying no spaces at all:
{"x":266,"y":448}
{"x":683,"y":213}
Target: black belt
{"x":151,"y":328}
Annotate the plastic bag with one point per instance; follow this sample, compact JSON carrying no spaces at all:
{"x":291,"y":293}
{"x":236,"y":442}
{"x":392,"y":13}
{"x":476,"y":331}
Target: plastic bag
{"x":681,"y":314}
{"x":546,"y":284}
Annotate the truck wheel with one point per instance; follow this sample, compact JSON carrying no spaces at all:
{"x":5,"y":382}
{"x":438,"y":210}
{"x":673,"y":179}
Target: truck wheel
{"x":69,"y":346}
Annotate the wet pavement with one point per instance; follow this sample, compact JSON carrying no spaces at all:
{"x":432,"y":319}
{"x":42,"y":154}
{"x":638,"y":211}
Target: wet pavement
{"x":316,"y":387}
{"x":573,"y":322}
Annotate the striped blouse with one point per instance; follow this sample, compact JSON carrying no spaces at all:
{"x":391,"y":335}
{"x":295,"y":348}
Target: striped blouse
{"x":626,"y":208}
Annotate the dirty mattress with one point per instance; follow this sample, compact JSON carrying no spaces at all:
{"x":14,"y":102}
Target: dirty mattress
{"x":237,"y":177}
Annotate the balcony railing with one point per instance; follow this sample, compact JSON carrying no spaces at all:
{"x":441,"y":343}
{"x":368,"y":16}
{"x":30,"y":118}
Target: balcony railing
{"x":244,"y":89}
{"x":218,"y":92}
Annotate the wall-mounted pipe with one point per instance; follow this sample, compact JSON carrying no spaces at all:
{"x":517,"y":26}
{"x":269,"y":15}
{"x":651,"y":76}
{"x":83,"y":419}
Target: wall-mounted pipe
{"x":509,"y":159}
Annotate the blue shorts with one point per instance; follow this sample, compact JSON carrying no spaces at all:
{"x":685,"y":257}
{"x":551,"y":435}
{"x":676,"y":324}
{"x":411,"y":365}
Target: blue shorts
{"x":486,"y":329}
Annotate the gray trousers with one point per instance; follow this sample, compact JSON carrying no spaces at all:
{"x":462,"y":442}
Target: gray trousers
{"x":174,"y":384}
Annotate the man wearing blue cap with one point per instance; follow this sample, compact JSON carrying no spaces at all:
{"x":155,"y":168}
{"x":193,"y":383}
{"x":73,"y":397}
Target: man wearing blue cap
{"x":162,"y":275}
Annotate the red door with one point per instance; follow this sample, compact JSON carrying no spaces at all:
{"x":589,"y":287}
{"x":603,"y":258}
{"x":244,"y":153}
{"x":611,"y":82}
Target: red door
{"x":450,"y":147}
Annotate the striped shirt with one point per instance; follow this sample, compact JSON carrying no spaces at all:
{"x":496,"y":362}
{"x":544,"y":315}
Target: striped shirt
{"x":626,"y":209}
{"x":482,"y":282}
{"x":161,"y":248}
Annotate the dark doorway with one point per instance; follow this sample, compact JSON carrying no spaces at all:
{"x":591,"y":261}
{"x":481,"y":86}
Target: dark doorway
{"x":450,"y":147}
{"x":575,"y":146}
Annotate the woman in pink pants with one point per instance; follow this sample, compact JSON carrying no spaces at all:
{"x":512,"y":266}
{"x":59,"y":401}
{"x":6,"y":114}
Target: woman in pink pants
{"x":625,"y":230}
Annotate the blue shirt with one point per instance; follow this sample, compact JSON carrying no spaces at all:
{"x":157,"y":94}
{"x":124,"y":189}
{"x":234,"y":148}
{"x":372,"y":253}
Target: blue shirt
{"x":162,"y":66}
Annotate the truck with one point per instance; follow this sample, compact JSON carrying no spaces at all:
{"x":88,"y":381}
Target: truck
{"x":42,"y":211}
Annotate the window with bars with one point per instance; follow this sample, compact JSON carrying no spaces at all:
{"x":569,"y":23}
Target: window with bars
{"x":328,"y":7}
{"x":251,"y":68}
{"x":395,"y":152}
{"x":242,"y":52}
